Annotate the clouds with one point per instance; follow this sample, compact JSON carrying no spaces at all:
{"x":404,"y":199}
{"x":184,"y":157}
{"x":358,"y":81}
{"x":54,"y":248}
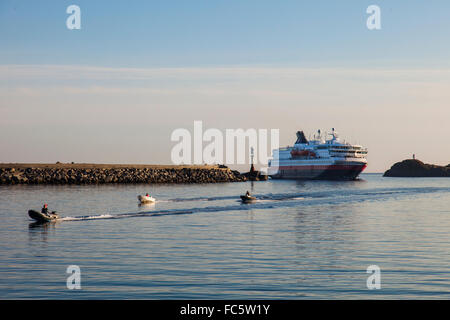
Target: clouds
{"x":62,"y":72}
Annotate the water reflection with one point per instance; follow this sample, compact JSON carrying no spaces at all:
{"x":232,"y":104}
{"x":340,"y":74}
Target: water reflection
{"x":337,"y":184}
{"x":38,"y":231}
{"x":146,"y":205}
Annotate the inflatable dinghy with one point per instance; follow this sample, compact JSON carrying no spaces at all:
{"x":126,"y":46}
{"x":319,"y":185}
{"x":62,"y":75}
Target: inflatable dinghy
{"x":42,"y":217}
{"x":247,"y":198}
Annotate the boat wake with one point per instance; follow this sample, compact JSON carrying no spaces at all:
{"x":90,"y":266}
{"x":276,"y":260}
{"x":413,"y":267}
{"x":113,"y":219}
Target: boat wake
{"x":271,"y":201}
{"x":101,"y":216}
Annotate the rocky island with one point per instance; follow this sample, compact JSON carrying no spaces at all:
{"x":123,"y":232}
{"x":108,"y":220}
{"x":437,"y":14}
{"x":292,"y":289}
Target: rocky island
{"x":416,"y":168}
{"x":65,"y":173}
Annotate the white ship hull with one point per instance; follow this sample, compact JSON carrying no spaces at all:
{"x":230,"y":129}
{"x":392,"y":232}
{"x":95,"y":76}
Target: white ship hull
{"x":318,"y":160}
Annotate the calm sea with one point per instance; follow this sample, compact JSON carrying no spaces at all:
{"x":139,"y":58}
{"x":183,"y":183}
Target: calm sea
{"x":300,"y":240}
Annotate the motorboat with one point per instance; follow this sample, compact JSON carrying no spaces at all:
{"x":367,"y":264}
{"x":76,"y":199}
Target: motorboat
{"x":146,"y":199}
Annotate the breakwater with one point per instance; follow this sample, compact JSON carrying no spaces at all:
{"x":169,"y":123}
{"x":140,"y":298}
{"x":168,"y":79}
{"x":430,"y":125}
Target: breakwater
{"x":62,"y":173}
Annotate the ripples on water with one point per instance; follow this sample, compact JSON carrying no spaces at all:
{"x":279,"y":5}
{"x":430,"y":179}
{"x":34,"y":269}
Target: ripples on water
{"x":311,"y":239}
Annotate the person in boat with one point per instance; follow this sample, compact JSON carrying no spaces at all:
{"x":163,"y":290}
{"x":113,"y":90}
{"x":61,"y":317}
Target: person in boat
{"x":247,"y":193}
{"x":147,"y":195}
{"x":45,"y":209}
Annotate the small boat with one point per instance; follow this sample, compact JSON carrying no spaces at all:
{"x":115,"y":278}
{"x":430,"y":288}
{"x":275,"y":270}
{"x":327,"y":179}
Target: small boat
{"x":43,"y":217}
{"x":146,"y":199}
{"x":247,"y":198}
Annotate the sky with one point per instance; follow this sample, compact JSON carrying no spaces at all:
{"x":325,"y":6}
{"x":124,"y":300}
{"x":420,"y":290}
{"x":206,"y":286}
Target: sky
{"x":115,"y":90}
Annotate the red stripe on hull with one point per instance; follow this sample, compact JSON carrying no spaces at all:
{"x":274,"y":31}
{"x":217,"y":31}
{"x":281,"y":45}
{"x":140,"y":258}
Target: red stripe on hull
{"x":328,"y":172}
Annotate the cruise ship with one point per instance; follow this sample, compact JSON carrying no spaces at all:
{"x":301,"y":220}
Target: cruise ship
{"x":318,"y":158}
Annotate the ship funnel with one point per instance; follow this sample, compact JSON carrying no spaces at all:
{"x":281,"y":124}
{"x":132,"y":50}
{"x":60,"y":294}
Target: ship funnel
{"x":301,"y":138}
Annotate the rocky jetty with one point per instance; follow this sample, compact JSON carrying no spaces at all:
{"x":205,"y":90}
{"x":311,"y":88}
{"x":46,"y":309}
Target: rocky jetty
{"x":416,"y":168}
{"x":99,"y":174}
